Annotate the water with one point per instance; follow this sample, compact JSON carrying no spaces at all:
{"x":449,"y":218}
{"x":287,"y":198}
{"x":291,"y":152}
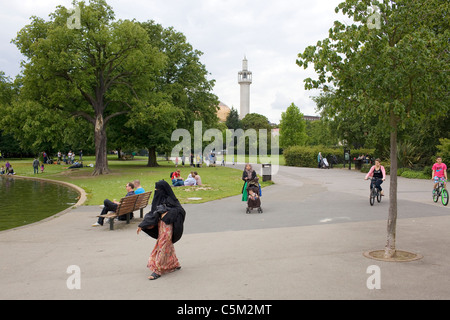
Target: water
{"x":24,"y":201}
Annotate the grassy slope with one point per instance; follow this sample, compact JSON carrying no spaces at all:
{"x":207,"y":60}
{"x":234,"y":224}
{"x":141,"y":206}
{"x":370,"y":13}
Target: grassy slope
{"x":218,"y":182}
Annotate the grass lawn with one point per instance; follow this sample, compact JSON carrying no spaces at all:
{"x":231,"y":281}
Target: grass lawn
{"x":218,"y":182}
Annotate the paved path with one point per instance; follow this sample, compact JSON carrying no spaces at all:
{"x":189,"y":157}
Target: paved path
{"x":308,"y":244}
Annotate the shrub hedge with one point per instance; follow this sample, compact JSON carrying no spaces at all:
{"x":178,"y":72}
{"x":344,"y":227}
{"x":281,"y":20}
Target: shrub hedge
{"x":306,"y":156}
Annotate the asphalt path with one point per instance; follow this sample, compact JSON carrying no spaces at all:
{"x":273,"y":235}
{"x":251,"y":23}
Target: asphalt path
{"x":305,"y":197}
{"x":307,"y":244}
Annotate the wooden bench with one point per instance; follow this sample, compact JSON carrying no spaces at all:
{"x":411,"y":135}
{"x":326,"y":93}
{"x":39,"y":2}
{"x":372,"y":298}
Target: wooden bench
{"x":128,"y":205}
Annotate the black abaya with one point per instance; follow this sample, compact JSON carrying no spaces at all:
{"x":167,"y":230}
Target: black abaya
{"x":175,"y":213}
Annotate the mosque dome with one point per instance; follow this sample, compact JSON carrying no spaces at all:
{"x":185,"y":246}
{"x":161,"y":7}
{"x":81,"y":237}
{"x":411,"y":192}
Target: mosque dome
{"x":223,"y":112}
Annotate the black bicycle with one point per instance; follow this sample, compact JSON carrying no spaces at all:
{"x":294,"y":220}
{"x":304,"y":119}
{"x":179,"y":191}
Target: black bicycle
{"x":374,"y":192}
{"x":440,"y":191}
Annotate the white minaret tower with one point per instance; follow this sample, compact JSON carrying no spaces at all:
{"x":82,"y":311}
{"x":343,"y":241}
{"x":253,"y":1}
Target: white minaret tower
{"x":245,"y":80}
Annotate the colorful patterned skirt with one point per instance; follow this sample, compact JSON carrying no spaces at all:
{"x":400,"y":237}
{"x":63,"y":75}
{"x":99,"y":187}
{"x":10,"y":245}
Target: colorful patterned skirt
{"x":163,"y":259}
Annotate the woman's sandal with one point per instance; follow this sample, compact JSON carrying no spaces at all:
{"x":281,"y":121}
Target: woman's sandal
{"x":154,"y":276}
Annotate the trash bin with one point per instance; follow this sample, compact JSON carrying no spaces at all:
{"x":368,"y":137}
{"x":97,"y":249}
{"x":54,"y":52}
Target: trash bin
{"x":358,"y":164}
{"x":266,"y":171}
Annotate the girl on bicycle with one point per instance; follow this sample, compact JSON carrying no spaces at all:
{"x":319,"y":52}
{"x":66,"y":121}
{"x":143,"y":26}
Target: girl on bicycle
{"x":377,"y":171}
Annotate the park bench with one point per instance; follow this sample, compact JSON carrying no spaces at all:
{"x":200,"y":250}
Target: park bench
{"x":128,"y":205}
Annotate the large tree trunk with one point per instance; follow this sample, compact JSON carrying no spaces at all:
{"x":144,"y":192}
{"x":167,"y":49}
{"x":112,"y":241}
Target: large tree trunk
{"x":101,"y":160}
{"x":152,"y":162}
{"x":389,"y":251}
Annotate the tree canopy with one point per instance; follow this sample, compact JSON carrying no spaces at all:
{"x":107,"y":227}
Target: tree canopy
{"x":393,"y":70}
{"x":101,"y":69}
{"x":292,"y":128}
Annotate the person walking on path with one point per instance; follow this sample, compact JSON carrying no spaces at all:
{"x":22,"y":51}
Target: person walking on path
{"x":247,"y":175}
{"x":165,"y":223}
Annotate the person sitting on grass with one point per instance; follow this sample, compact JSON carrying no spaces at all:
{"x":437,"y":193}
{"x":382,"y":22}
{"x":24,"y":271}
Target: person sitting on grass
{"x":197,"y":178}
{"x":10,"y":171}
{"x":190,"y":181}
{"x":176,"y":179}
{"x":76,"y":165}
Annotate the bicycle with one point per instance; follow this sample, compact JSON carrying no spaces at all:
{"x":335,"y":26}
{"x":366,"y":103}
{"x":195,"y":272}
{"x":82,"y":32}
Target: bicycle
{"x":440,"y":191}
{"x":374,"y":192}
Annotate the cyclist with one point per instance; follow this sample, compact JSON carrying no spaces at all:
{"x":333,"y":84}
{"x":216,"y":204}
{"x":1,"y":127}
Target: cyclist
{"x":439,"y":172}
{"x":377,"y":171}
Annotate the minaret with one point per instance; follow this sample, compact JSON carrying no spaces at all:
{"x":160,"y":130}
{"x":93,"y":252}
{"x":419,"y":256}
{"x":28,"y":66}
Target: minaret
{"x":245,"y":79}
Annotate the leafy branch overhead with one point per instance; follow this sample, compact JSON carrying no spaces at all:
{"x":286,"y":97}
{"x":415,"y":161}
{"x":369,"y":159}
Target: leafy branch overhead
{"x":107,"y":68}
{"x":395,"y":72}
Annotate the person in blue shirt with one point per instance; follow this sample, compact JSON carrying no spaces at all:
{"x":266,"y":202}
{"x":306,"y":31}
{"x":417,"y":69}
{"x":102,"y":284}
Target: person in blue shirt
{"x":137,"y":187}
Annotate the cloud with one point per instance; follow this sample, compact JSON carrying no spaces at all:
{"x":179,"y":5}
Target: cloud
{"x":270,"y":33}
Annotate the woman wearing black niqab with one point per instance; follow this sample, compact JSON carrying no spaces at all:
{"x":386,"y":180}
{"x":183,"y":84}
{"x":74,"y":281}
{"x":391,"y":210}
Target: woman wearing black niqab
{"x":164,"y":222}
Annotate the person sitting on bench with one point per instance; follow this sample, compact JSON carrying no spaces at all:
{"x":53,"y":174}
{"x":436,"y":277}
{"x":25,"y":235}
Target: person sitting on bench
{"x":112,"y":205}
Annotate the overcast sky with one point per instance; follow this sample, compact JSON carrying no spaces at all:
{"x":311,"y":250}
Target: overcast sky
{"x":269,"y":33}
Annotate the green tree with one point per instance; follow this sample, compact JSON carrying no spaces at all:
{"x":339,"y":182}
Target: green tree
{"x":8,"y":143}
{"x":443,"y":150}
{"x":182,"y":92}
{"x":255,"y":121}
{"x":319,"y":133}
{"x":345,"y":123}
{"x":292,"y":128}
{"x":98,"y":71}
{"x":233,"y":121}
{"x":390,"y":64}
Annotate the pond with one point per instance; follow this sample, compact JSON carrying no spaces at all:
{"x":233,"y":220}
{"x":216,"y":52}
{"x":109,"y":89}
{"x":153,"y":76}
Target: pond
{"x":24,"y":201}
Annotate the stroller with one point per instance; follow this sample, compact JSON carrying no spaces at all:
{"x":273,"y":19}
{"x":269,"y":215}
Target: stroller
{"x":253,"y":196}
{"x":325,"y":164}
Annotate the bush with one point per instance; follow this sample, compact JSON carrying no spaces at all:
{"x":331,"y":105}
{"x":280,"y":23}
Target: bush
{"x":413,"y":174}
{"x":428,"y":171}
{"x":301,"y":156}
{"x":443,"y":151}
{"x":306,"y":156}
{"x":366,"y":167}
